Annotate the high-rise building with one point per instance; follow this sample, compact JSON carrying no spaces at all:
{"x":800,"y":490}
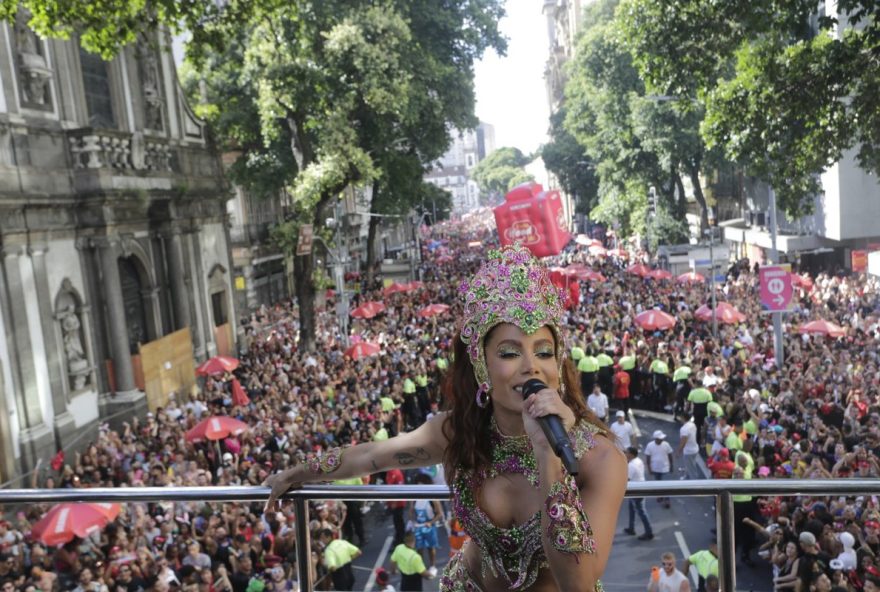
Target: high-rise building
{"x":452,"y":170}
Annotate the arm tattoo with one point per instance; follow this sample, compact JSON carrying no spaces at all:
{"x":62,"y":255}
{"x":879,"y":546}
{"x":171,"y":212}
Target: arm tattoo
{"x":375,"y":466}
{"x":408,"y":458}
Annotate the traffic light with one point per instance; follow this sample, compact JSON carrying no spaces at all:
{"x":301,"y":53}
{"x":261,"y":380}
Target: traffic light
{"x":652,"y":200}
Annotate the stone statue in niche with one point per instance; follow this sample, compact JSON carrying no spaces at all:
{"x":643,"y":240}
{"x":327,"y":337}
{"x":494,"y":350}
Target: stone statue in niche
{"x":33,"y":72}
{"x":77,"y":361}
{"x":148,"y":65}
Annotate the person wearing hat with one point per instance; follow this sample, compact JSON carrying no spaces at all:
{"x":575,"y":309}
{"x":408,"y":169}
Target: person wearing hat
{"x":721,"y":465}
{"x":406,"y":559}
{"x":383,"y":580}
{"x":624,"y":431}
{"x":659,"y":455}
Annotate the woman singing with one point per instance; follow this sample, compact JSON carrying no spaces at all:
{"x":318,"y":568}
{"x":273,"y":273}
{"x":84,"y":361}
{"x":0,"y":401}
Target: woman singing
{"x":533,"y":527}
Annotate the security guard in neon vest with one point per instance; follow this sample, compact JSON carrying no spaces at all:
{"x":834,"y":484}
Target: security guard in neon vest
{"x":409,"y":562}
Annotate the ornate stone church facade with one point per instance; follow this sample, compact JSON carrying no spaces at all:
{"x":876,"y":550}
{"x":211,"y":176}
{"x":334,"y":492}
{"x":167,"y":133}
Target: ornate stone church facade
{"x":113,"y":235}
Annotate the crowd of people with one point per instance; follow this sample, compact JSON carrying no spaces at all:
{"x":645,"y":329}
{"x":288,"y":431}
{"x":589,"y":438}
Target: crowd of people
{"x":818,"y":416}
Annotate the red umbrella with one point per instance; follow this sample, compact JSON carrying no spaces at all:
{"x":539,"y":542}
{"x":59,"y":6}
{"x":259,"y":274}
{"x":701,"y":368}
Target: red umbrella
{"x":362,"y":350}
{"x":395,"y":288}
{"x":239,"y":397}
{"x":433,"y":310}
{"x":638,"y":269}
{"x":415,"y":285}
{"x":216,"y":428}
{"x":217,"y":365}
{"x":823,"y":327}
{"x":724,"y":312}
{"x":659,"y":274}
{"x":691,"y":277}
{"x":654,"y":320}
{"x":66,"y":521}
{"x":368,"y":310}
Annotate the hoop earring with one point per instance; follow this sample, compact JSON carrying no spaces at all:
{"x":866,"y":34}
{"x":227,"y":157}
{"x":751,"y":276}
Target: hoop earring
{"x":482,"y":398}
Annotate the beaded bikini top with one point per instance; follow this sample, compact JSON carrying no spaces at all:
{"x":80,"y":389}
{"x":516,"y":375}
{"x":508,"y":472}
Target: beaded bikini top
{"x":514,"y":553}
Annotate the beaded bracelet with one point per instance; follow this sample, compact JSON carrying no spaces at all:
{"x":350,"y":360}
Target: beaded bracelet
{"x":569,"y":530}
{"x":326,"y":462}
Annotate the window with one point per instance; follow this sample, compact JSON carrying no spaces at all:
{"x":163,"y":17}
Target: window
{"x":96,"y":82}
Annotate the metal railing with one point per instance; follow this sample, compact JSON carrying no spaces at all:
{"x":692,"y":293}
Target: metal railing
{"x":722,"y":489}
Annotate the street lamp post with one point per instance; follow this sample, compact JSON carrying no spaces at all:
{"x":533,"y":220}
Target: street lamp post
{"x":774,"y":256}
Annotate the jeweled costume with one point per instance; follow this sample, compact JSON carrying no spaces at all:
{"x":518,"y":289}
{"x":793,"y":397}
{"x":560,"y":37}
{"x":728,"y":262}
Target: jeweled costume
{"x":512,"y":288}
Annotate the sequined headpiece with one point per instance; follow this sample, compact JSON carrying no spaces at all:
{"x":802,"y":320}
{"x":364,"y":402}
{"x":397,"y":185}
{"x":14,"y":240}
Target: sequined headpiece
{"x":510,"y":287}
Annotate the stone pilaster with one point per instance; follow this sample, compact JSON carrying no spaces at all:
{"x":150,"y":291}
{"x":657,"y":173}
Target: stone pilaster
{"x":63,"y":422}
{"x":180,"y":295}
{"x":119,"y":349}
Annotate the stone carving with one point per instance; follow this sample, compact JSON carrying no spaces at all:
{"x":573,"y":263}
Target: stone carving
{"x":120,"y":151}
{"x":33,"y":71}
{"x":148,"y":66}
{"x":77,"y":362}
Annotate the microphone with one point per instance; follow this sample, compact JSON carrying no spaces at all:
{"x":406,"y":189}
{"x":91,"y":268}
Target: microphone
{"x":553,"y":430}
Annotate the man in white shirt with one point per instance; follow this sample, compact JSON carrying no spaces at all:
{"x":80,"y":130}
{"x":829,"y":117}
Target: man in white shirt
{"x":598,"y":402}
{"x":636,"y":472}
{"x":689,"y":449}
{"x":659,"y":455}
{"x":624,"y":432}
{"x":668,"y":578}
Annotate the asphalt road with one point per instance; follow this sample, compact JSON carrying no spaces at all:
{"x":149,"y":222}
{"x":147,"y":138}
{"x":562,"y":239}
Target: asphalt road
{"x":682,"y":529}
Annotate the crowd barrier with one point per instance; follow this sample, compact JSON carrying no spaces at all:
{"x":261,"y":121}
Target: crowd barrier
{"x":722,"y":489}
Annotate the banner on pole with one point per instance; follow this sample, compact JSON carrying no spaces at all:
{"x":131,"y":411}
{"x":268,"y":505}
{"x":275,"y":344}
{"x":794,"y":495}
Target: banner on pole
{"x":776,"y":289}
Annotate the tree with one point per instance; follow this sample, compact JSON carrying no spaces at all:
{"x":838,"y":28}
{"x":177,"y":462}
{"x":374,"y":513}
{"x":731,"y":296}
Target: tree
{"x":351,"y":95}
{"x":786,"y":89}
{"x":501,"y":171}
{"x":569,"y":162}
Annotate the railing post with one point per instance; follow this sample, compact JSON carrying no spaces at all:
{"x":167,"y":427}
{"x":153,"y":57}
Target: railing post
{"x":726,"y":541}
{"x":303,"y":544}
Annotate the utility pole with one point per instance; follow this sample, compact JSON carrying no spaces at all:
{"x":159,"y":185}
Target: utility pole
{"x":339,"y":260}
{"x":711,"y":234}
{"x":774,"y":258}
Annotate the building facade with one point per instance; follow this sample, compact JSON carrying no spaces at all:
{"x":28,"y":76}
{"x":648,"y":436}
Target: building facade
{"x":112,"y":234}
{"x":452,"y":170}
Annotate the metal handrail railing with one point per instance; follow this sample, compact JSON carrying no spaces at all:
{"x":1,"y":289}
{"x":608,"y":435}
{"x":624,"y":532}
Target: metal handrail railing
{"x":722,"y":489}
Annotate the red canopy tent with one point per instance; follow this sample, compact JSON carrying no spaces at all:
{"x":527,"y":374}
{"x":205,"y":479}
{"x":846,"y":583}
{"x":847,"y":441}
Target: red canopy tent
{"x":216,"y":428}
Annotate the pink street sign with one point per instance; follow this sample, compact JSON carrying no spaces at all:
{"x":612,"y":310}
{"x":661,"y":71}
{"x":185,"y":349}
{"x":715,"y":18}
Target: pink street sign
{"x":776,"y":290}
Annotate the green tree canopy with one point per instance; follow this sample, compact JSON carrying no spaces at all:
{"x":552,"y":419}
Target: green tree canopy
{"x":787,"y":88}
{"x":501,"y":171}
{"x":571,"y":165}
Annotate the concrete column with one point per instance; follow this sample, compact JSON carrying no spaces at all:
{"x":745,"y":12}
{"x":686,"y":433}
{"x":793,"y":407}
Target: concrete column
{"x":180,"y":295}
{"x":64,"y":422}
{"x":151,"y":295}
{"x":119,"y":349}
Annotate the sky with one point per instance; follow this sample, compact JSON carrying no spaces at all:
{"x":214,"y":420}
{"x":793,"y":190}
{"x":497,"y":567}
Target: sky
{"x":511,"y":94}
